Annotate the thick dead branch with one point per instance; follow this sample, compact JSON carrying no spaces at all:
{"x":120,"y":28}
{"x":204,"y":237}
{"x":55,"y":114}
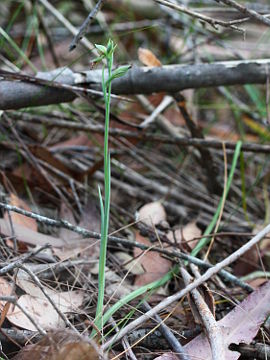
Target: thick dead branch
{"x":138,"y":80}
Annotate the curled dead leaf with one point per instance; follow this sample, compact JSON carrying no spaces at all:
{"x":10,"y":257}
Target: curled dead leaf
{"x":154,"y":265}
{"x":186,"y":236}
{"x":148,"y":58}
{"x":60,"y":345}
{"x":152,"y":213}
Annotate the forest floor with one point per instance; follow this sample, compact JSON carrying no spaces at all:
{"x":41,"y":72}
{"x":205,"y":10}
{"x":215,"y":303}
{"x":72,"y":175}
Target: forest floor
{"x":188,"y":255}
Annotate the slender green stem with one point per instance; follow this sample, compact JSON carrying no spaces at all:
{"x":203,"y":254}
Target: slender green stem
{"x":105,"y":210}
{"x":105,"y":52}
{"x":156,"y":284}
{"x":138,"y":292}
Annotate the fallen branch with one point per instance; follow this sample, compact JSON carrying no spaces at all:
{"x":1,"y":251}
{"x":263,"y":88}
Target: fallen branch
{"x":138,"y":80}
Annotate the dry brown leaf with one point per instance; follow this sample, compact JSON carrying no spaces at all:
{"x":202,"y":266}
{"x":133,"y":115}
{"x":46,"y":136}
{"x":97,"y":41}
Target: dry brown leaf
{"x":42,"y":311}
{"x":256,"y":283}
{"x":60,"y":345}
{"x":147,"y":58}
{"x":5,"y":290}
{"x":81,"y":140}
{"x":185,"y":235}
{"x":4,"y":313}
{"x":240,"y":325}
{"x":118,"y":290}
{"x":29,"y":236}
{"x":28,"y":173}
{"x":74,"y":244}
{"x":115,"y":285}
{"x":152,"y":213}
{"x":25,"y":282}
{"x":18,"y":218}
{"x":43,"y":153}
{"x":37,"y":305}
{"x":71,"y":251}
{"x":154,"y":264}
{"x":247,"y":263}
{"x":43,"y":314}
{"x":90,"y":220}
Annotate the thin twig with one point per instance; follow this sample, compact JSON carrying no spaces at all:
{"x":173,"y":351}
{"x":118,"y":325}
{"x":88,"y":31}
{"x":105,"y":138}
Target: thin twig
{"x":176,"y":139}
{"x":209,"y":20}
{"x":213,"y":331}
{"x":246,"y":11}
{"x":125,"y":342}
{"x":17,"y":263}
{"x":84,"y":28}
{"x":67,"y":24}
{"x":156,"y":111}
{"x":86,"y":233}
{"x":222,"y":204}
{"x":206,"y":276}
{"x":39,"y":285}
{"x":13,"y":300}
{"x":169,"y":336}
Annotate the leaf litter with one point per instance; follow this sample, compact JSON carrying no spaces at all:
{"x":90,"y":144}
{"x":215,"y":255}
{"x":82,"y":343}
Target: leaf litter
{"x":240,"y":325}
{"x":54,"y":171}
{"x":154,"y":265}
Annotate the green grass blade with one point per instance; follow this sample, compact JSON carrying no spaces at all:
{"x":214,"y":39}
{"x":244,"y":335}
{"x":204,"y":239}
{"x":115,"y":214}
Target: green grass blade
{"x":17,"y":49}
{"x":11,"y":22}
{"x":138,"y":292}
{"x":257,"y":99}
{"x":243,"y":184}
{"x":101,"y":207}
{"x":105,"y":210}
{"x":101,"y":270}
{"x":204,"y":241}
